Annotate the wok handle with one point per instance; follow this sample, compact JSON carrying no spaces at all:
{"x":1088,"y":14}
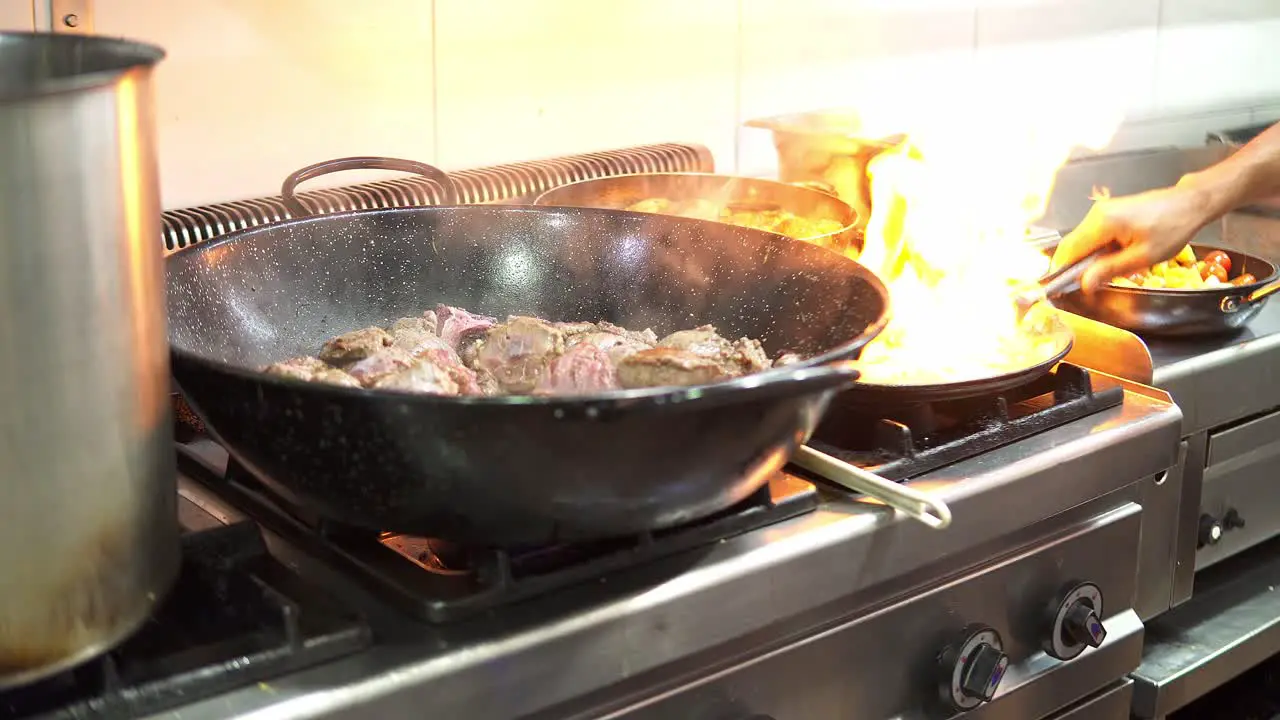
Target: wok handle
{"x":913,"y":503}
{"x":295,"y":207}
{"x":1234,"y":303}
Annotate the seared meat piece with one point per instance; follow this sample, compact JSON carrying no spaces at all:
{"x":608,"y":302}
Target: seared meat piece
{"x":750,"y":356}
{"x":787,"y":359}
{"x":391,"y":360}
{"x":573,"y":329}
{"x":355,"y":346}
{"x":663,"y":366}
{"x":464,"y":377}
{"x":704,"y":341}
{"x":454,"y":325}
{"x":416,"y":335}
{"x":423,"y":376}
{"x":736,"y":358}
{"x":311,"y":369}
{"x":518,"y":352}
{"x":644,"y":337}
{"x":583,"y":368}
{"x":616,"y":346}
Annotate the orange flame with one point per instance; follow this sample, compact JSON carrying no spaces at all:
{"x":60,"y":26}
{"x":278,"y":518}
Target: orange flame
{"x":951,"y":206}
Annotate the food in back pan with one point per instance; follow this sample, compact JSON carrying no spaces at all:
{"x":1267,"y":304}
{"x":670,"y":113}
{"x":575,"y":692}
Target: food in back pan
{"x":1187,"y":272}
{"x":451,"y":351}
{"x":761,"y":216}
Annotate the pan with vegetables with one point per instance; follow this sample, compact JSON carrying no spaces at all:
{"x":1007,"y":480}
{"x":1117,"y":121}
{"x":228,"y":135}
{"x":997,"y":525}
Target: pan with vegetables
{"x":1204,"y":290}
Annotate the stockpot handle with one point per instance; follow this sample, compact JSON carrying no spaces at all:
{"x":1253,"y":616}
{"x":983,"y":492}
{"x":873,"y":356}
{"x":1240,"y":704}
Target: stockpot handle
{"x":1235,"y":303}
{"x":913,"y":503}
{"x":298,"y":210}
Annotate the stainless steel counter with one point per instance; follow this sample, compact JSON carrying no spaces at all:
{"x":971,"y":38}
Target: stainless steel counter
{"x":599,"y":647}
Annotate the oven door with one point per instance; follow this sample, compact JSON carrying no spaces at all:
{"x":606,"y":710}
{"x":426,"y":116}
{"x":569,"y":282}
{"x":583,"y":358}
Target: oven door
{"x":889,"y":663}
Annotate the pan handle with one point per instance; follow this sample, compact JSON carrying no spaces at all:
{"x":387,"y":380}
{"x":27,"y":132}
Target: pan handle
{"x":1235,"y":303}
{"x":913,"y":503}
{"x":298,"y":210}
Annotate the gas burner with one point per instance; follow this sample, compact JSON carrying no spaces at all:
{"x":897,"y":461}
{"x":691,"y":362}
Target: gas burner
{"x":910,"y":440}
{"x":443,"y":582}
{"x":234,"y":617}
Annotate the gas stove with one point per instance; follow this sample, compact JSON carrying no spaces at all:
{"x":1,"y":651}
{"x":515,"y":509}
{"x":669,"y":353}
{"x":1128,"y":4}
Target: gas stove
{"x":803,"y":602}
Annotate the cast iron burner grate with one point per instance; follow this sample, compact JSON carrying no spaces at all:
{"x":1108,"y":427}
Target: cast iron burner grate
{"x":442,"y":583}
{"x":909,"y":440}
{"x":234,"y":617}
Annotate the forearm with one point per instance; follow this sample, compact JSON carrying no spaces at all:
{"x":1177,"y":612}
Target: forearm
{"x":1250,"y":175}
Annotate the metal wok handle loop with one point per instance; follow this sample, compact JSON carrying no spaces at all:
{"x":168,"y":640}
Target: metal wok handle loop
{"x":295,"y":207}
{"x":913,"y":503}
{"x":1235,"y":303}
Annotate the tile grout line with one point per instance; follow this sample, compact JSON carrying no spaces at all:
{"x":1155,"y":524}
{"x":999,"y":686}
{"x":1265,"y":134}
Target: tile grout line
{"x":435,"y":87}
{"x":739,"y":48}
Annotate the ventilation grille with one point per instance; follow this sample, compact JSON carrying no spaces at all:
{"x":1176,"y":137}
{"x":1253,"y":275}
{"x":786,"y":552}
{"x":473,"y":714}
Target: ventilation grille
{"x":513,"y":183}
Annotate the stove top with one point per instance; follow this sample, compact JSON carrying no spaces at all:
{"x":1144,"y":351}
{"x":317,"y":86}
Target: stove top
{"x":234,"y":617}
{"x":439,"y":582}
{"x":910,"y":440}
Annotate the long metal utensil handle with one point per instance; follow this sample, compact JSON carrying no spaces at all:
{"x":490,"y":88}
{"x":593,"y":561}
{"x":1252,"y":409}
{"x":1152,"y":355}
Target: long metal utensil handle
{"x":913,"y":503}
{"x":1067,"y":278}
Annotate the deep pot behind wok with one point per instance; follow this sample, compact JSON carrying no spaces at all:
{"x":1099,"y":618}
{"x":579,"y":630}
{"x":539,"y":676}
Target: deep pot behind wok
{"x":511,"y":470}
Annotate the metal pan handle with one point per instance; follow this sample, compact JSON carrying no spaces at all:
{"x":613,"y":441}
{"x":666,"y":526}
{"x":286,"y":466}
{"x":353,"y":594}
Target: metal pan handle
{"x":298,"y":210}
{"x":1236,"y":303}
{"x":913,"y":503}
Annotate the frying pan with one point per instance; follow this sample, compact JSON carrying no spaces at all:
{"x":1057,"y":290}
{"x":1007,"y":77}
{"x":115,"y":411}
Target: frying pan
{"x":510,"y":470}
{"x":893,"y":395}
{"x":622,"y":191}
{"x":1182,"y":313}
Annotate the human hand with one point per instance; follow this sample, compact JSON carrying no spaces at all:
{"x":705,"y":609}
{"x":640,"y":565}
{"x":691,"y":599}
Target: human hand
{"x":1147,"y":228}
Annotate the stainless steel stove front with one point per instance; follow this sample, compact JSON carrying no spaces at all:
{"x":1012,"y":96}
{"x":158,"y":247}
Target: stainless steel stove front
{"x":897,"y":660}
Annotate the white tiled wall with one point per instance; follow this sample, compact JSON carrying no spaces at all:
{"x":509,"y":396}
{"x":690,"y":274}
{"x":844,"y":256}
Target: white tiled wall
{"x":253,"y":89}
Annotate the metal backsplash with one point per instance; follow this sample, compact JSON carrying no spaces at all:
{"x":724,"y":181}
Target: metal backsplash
{"x":511,"y":183}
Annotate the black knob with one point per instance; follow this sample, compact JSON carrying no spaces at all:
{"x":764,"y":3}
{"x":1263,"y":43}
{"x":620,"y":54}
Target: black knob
{"x":981,"y":675}
{"x":972,"y":667}
{"x":1210,"y":531}
{"x":1232,"y":520}
{"x":1083,"y":625}
{"x":1074,"y":621}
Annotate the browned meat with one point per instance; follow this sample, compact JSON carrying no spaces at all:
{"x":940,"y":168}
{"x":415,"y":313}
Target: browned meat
{"x":644,"y":337}
{"x":787,"y":359}
{"x":517,"y":352}
{"x":616,"y":346}
{"x":704,"y":341}
{"x":572,"y":329}
{"x":371,"y":369}
{"x":311,"y":369}
{"x":464,"y":377}
{"x":583,"y":368}
{"x":454,"y":325}
{"x":355,"y":346}
{"x":423,"y":376}
{"x":415,"y":335}
{"x":735,"y":358}
{"x":449,"y":351}
{"x":749,"y":355}
{"x":668,"y":366}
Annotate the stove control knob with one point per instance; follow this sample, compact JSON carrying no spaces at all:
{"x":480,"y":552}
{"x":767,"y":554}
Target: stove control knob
{"x":1075,"y":621}
{"x":1232,"y":520}
{"x":1210,"y":531}
{"x":972,"y":668}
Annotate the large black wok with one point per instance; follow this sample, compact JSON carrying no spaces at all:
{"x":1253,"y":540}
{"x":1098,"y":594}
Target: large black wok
{"x":510,"y":470}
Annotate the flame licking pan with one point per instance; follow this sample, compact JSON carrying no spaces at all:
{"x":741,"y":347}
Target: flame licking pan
{"x":1182,"y":313}
{"x":510,"y":470}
